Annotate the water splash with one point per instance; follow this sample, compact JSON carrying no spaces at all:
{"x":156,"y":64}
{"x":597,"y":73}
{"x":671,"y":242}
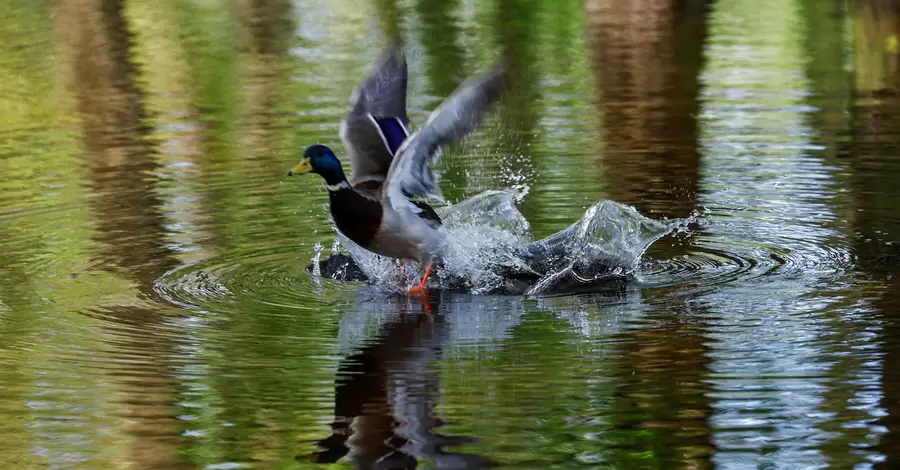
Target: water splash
{"x":491,"y":208}
{"x":606,"y":243}
{"x":335,"y":247}
{"x":317,"y":256}
{"x":489,"y":249}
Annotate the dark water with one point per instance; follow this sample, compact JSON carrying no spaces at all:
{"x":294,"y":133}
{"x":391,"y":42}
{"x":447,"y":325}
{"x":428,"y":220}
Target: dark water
{"x":155,"y":310}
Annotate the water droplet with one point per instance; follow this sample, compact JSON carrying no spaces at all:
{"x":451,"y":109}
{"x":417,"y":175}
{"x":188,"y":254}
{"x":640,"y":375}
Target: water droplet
{"x":317,"y":255}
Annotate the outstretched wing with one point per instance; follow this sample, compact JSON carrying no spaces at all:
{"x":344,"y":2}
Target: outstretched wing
{"x":377,"y":124}
{"x":410,"y":174}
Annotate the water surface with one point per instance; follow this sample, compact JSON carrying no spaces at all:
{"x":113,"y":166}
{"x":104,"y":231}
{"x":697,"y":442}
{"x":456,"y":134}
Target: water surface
{"x":156,"y":311}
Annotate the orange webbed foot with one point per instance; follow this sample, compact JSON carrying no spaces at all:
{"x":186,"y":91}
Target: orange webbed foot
{"x":417,"y":290}
{"x":420,"y":288}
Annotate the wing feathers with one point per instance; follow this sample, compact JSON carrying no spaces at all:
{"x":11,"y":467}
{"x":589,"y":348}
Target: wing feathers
{"x":380,"y":95}
{"x":410,"y":173}
{"x":393,"y":131}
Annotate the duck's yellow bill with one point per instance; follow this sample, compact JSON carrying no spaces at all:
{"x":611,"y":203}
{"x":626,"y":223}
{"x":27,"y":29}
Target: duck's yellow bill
{"x":301,"y":168}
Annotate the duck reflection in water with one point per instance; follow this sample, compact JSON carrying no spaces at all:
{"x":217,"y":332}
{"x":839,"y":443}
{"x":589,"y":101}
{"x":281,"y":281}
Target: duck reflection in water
{"x":386,"y":396}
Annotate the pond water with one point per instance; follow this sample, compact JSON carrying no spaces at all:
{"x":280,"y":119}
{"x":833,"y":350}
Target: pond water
{"x":156,"y":311}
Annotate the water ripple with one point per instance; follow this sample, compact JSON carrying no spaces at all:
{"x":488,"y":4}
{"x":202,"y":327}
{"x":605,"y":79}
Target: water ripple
{"x":720,"y":251}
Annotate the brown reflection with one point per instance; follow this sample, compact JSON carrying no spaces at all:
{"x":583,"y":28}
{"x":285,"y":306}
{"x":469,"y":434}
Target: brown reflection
{"x":268,"y":29}
{"x":831,"y":87}
{"x":876,"y":45}
{"x":662,"y":385}
{"x":873,"y":149}
{"x":889,"y":444}
{"x":646,"y":57}
{"x":118,"y":156}
{"x":386,"y":397}
{"x":97,"y":45}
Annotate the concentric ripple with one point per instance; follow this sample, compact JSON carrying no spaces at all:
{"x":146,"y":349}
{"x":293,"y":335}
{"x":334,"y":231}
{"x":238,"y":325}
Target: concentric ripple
{"x":267,"y":279}
{"x":720,"y":252}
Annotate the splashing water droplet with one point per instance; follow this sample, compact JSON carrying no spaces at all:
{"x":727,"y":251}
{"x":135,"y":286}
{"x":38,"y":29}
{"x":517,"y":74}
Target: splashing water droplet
{"x":489,"y":248}
{"x":317,"y":255}
{"x":335,"y":247}
{"x":606,"y":243}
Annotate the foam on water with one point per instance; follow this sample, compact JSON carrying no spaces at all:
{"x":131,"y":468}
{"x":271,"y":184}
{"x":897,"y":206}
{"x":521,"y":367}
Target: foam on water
{"x":489,"y":249}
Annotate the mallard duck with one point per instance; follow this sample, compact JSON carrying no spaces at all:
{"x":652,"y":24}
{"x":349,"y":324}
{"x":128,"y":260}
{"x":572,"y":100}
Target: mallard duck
{"x":375,"y":208}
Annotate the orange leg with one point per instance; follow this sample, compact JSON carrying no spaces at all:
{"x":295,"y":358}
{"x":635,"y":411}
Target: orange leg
{"x":420,"y":289}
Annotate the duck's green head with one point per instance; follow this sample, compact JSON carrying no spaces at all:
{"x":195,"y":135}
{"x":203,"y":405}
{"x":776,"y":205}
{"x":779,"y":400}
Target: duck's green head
{"x":320,"y":159}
